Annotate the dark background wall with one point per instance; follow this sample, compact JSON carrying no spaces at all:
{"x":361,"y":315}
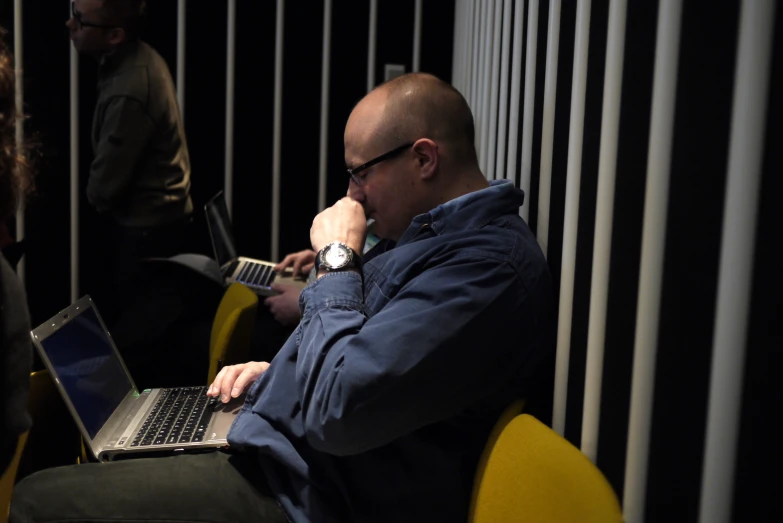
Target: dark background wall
{"x":47,"y":99}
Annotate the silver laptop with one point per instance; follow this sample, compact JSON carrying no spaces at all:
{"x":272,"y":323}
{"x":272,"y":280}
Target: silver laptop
{"x":256,"y":274}
{"x":112,"y":415}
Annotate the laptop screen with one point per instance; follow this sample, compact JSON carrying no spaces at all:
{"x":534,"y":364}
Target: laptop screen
{"x":220,"y":229}
{"x":88,"y":368}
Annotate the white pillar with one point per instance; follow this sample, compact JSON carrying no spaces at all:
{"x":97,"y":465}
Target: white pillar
{"x":485,"y":87}
{"x":19,"y":108}
{"x":230,"y":75}
{"x":493,"y":95}
{"x":500,"y":169}
{"x":751,"y":88}
{"x":653,"y":245}
{"x":181,"y":43}
{"x":373,"y":36}
{"x":516,"y":81}
{"x":548,"y":125}
{"x":277,"y":134}
{"x":74,"y":171}
{"x":417,"y":36}
{"x":325,"y":77}
{"x":571,"y":218}
{"x":607,"y":164}
{"x":529,"y":109}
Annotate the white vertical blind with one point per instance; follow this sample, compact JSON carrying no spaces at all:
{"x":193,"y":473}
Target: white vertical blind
{"x":493,"y":100}
{"x":548,"y":125}
{"x":373,"y":36}
{"x":475,"y":68}
{"x":325,"y":78}
{"x":277,"y":136}
{"x":181,"y":28}
{"x":417,"y":36}
{"x":500,"y":170}
{"x":486,"y":58}
{"x":230,"y":76}
{"x":653,"y":245}
{"x":607,"y":163}
{"x":571,"y":218}
{"x":19,"y":107}
{"x":749,"y":111}
{"x":516,"y":82}
{"x":74,"y":170}
{"x":529,"y":109}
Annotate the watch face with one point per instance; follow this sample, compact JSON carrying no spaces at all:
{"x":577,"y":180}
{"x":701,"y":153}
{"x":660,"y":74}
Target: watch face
{"x":336,"y":256}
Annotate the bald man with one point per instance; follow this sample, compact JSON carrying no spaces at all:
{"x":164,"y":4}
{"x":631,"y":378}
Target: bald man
{"x":378,"y":406}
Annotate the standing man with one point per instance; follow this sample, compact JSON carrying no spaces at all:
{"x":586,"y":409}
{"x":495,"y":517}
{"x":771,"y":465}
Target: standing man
{"x":140,"y":176}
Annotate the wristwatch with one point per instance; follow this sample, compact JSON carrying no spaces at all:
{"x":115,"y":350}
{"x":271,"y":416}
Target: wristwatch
{"x":337,"y":256}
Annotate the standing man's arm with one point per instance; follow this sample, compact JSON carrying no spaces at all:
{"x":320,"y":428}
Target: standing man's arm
{"x":125,"y":134}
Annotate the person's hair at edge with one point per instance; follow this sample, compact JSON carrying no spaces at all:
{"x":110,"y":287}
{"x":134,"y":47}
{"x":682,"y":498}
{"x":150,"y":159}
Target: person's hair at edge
{"x":128,"y":14}
{"x":420,"y":105}
{"x":15,"y":172}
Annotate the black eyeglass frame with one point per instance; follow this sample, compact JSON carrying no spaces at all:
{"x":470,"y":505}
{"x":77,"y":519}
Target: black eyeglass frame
{"x":82,"y":24}
{"x":385,"y":156}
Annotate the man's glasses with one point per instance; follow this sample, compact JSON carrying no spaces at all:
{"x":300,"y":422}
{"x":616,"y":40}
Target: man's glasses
{"x":82,"y":24}
{"x":391,"y":154}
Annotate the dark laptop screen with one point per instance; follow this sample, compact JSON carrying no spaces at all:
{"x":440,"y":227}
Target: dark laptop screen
{"x":220,"y":229}
{"x":88,"y":368}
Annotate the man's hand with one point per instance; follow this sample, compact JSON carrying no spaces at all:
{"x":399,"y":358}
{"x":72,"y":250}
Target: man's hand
{"x":302,"y":263}
{"x":284,"y":306}
{"x":342,"y":222}
{"x":232,"y":380}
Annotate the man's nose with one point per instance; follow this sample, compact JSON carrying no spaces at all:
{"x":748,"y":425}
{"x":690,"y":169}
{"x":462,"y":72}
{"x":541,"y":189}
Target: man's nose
{"x":355,"y":191}
{"x":70,"y":24}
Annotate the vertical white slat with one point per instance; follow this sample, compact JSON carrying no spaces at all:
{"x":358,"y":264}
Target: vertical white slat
{"x":19,"y":108}
{"x":529,"y":107}
{"x":456,"y":46}
{"x":74,"y":168}
{"x":373,"y":37}
{"x":485,"y":74}
{"x":493,"y":97}
{"x":181,"y":28}
{"x":278,"y":131}
{"x":467,"y":42}
{"x":571,"y":216}
{"x":548,"y":125}
{"x":325,"y":78}
{"x":516,"y":83}
{"x":417,"y":36}
{"x":500,"y":170}
{"x":653,"y":244}
{"x":607,"y":164}
{"x":475,"y":64}
{"x":469,"y":18}
{"x":735,"y":276}
{"x":230,"y":78}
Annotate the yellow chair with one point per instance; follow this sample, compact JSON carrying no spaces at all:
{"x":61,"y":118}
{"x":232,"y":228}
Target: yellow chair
{"x":532,"y":474}
{"x":8,"y":480}
{"x":232,"y":329}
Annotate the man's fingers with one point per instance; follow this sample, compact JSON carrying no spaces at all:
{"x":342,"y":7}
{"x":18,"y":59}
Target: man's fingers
{"x":308,"y":267}
{"x":248,"y":376}
{"x":214,"y":389}
{"x":285,"y":263}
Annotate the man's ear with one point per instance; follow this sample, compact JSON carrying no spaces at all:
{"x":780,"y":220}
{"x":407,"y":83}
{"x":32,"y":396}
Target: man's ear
{"x":116,"y":36}
{"x":426,"y":152}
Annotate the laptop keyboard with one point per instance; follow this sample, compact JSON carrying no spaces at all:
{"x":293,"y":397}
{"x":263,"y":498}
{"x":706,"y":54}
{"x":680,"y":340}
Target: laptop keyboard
{"x":256,"y":275}
{"x":181,"y":415}
{"x":231,"y":268}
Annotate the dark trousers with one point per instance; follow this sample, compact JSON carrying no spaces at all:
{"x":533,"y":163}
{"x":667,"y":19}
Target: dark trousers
{"x":213,"y":487}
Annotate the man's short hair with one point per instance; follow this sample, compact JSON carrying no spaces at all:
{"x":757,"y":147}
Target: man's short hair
{"x":128,"y":14}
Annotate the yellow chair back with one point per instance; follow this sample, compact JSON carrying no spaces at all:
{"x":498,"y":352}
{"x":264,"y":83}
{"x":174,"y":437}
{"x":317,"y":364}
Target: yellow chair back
{"x":232,"y":329}
{"x":532,"y":474}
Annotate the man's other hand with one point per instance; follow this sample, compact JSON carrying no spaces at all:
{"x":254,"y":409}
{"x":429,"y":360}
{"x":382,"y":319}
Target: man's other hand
{"x":301,"y":262}
{"x":284,"y":306}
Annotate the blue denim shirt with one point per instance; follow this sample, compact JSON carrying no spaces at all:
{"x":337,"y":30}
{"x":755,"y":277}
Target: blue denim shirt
{"x":378,"y":406}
